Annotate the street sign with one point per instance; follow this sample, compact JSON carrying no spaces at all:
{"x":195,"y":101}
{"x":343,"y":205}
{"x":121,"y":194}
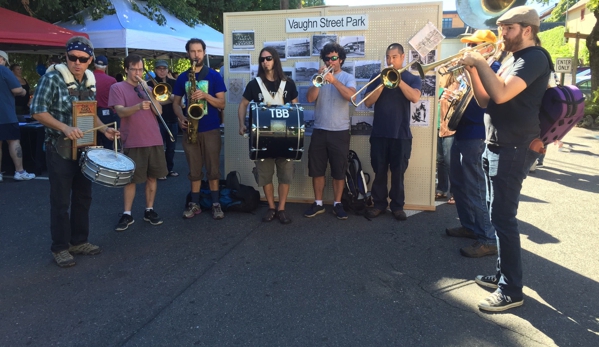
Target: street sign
{"x":563,"y":65}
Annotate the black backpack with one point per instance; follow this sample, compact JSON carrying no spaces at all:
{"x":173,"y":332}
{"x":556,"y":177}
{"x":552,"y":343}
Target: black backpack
{"x":245,"y":198}
{"x":356,"y":196}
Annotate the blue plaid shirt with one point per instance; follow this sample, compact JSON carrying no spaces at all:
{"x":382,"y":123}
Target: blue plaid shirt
{"x":52,"y":96}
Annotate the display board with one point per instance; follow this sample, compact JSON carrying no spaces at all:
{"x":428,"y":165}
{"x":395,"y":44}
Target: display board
{"x":364,"y":32}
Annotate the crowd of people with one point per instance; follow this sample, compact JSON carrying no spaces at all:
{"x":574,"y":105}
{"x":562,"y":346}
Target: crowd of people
{"x":482,"y":164}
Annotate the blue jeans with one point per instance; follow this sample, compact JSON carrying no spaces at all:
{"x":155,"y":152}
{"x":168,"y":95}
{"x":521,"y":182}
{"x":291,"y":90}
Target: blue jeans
{"x":443,"y":163}
{"x":505,"y":170}
{"x":385,"y":154}
{"x":169,"y":146}
{"x":469,"y":188}
{"x":68,"y":189}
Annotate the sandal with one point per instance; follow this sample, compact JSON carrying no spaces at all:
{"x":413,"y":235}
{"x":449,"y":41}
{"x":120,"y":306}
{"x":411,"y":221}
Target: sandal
{"x":283,"y":217}
{"x":270,"y":215}
{"x":440,"y":196}
{"x":173,"y":174}
{"x":451,"y":201}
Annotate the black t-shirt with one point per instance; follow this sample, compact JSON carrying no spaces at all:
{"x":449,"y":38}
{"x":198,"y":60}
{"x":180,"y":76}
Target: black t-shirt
{"x":254,"y":93}
{"x":516,"y":122}
{"x":167,"y":110}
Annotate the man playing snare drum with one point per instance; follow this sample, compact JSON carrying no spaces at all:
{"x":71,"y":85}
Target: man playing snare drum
{"x":52,"y":106}
{"x":273,"y":88}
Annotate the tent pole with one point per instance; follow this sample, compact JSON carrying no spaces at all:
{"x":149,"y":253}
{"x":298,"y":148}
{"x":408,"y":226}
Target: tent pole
{"x":208,"y":60}
{"x":126,"y":51}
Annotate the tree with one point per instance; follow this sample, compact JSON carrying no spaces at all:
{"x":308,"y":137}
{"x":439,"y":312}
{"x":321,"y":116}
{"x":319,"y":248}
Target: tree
{"x":559,"y":12}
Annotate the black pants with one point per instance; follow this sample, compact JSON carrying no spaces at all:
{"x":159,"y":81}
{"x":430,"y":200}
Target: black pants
{"x":106,"y":119}
{"x":388,"y":154}
{"x":68,"y":188}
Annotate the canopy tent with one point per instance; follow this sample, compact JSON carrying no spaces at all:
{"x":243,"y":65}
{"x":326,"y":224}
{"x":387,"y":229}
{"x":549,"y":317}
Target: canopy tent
{"x":128,"y":31}
{"x":25,"y":34}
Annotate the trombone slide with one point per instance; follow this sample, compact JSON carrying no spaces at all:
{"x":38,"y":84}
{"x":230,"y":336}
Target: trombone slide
{"x":158,"y":113}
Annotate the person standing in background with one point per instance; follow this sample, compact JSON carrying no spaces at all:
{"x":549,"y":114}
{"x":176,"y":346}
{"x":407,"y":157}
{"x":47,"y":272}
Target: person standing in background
{"x":21,"y":102}
{"x":103,"y":84}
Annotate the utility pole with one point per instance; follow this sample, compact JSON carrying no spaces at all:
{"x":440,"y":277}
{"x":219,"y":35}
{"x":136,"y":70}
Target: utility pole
{"x":284,"y":4}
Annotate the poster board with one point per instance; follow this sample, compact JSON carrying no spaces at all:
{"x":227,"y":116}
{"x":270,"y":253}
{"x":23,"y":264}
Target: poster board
{"x":383,"y":25}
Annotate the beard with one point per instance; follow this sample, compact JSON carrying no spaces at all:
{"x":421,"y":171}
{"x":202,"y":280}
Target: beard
{"x":513,"y":44}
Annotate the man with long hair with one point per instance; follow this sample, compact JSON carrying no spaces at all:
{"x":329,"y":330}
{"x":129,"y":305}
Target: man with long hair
{"x":273,"y":88}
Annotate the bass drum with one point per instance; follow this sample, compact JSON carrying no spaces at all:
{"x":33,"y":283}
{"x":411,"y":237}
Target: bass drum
{"x":276,"y":131}
{"x":107,"y":168}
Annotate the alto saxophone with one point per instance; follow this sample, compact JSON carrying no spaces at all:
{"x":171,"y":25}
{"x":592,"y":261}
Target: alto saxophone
{"x":195,"y":111}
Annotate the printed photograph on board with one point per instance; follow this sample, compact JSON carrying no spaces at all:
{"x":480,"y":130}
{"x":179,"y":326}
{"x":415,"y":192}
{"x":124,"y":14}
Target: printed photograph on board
{"x":353,"y":46}
{"x":308,"y":122}
{"x":302,"y":95}
{"x":349,"y":67}
{"x":298,"y":48}
{"x":304,"y":70}
{"x":420,"y":113}
{"x":366,"y":68}
{"x":414,"y":55}
{"x":431,"y":57}
{"x":235,"y":89}
{"x":361,"y":125}
{"x":318,"y":41}
{"x":360,"y":97}
{"x":279,"y":46}
{"x":428,"y":85}
{"x":253,"y":71}
{"x":239,"y":63}
{"x":289,"y":72}
{"x":243,"y":39}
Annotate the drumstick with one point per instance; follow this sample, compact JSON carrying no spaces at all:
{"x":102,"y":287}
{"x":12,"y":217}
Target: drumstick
{"x":96,"y":128}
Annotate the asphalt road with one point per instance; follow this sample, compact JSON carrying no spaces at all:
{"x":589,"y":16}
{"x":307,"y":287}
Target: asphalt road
{"x":315,"y":282}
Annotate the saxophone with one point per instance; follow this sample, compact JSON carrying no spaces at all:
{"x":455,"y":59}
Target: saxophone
{"x":195,"y":111}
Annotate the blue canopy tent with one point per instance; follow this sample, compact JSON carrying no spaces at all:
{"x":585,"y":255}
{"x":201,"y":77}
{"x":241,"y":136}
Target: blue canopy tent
{"x":128,"y":31}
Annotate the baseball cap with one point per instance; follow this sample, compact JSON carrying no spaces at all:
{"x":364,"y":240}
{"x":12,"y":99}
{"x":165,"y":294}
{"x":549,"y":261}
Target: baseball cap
{"x":520,"y":15}
{"x":480,"y":36}
{"x":101,"y":60}
{"x":5,"y":56}
{"x":161,"y":63}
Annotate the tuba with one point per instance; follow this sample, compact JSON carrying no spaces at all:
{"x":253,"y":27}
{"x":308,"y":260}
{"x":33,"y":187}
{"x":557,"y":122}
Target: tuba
{"x":483,"y":14}
{"x":195,"y":111}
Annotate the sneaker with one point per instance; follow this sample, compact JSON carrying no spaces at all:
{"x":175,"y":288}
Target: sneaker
{"x":498,"y":302}
{"x":339,"y":211}
{"x":217,"y":212}
{"x":487,"y":281}
{"x":152,"y":217}
{"x":192,"y":210}
{"x":461,"y":232}
{"x":283,"y":217}
{"x":314,"y":210}
{"x":64,"y":258}
{"x":478,"y":250}
{"x":25,"y":176}
{"x":124,"y":222}
{"x":85,"y":249}
{"x":374,"y":212}
{"x":400,"y":215}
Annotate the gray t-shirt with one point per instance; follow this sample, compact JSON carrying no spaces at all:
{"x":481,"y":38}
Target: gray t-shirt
{"x":331,"y":111}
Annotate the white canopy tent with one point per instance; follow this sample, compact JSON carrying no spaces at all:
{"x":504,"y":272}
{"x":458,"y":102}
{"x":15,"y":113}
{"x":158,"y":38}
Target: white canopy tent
{"x":128,"y":31}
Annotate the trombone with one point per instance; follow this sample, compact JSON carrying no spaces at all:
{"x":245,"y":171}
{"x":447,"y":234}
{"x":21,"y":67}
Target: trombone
{"x":157,"y":112}
{"x":390,"y":78}
{"x":161,"y":91}
{"x":318,"y":79}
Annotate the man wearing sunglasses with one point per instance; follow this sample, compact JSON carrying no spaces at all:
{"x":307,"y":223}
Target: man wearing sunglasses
{"x":330,"y":137}
{"x":513,"y":99}
{"x":274,"y":88}
{"x":391,"y":138}
{"x":142,"y":141}
{"x":70,"y":190}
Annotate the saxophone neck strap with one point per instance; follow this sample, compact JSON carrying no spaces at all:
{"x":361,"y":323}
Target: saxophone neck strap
{"x":202,"y":74}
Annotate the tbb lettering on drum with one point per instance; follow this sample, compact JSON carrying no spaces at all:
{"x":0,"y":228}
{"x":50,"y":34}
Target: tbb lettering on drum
{"x":279,"y":113}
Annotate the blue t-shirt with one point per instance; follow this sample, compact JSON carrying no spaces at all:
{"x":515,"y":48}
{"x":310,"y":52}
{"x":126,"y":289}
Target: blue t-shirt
{"x":472,"y":124}
{"x":216,"y":84}
{"x":392,"y":109}
{"x":8,"y":82}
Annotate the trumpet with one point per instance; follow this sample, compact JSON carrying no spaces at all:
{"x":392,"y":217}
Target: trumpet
{"x":390,"y":78}
{"x":318,"y":79}
{"x":450,"y":64}
{"x":161,"y":91}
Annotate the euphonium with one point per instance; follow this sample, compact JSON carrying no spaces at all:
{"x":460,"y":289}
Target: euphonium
{"x":195,"y":111}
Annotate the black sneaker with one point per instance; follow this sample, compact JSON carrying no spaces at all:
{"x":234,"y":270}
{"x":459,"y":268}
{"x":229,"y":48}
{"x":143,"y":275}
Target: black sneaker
{"x":339,"y":211}
{"x":487,"y":281}
{"x":124,"y":222}
{"x":314,"y":210}
{"x":152,"y":217}
{"x":498,"y":302}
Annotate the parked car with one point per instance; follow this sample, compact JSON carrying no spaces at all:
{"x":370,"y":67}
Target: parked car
{"x":584,"y":84}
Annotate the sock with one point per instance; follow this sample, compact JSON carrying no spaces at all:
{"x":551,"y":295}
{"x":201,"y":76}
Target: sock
{"x":149,"y":208}
{"x":21,"y":172}
{"x":195,"y":197}
{"x":215,"y":194}
{"x":127,"y":212}
{"x":336,"y":202}
{"x":318,"y":202}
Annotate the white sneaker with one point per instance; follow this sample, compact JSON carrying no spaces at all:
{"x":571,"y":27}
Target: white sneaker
{"x":25,"y":176}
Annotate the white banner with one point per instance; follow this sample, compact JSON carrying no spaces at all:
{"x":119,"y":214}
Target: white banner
{"x":328,"y":23}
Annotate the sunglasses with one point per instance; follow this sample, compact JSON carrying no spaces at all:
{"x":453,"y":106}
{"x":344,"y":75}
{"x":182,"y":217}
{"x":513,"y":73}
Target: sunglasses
{"x":138,"y":93}
{"x":333,"y":58}
{"x":262,"y":59}
{"x":74,"y":58}
{"x":472,"y":45}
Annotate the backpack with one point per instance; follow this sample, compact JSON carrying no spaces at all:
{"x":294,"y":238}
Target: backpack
{"x":356,"y":196}
{"x":234,"y":197}
{"x":561,"y":109}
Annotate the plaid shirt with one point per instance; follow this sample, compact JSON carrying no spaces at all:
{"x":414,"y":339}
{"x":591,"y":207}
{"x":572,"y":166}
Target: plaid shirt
{"x":52,"y":96}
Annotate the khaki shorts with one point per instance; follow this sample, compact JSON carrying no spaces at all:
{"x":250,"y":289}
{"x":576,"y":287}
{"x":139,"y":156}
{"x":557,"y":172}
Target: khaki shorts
{"x":149,"y":162}
{"x":205,"y":152}
{"x":265,"y":169}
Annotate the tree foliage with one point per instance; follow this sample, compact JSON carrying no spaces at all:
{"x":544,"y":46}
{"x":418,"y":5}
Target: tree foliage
{"x":559,"y":12}
{"x":554,"y":42}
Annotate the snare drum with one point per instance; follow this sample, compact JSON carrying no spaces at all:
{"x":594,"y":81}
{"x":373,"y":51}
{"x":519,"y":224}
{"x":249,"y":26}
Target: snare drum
{"x":105,"y":167}
{"x":276,"y":131}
